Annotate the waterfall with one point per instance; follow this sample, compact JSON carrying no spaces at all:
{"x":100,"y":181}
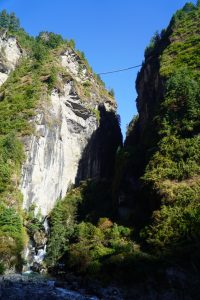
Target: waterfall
{"x":46,"y":225}
{"x":34,"y":254}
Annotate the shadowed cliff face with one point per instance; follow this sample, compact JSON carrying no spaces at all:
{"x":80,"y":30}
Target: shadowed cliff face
{"x":98,"y":157}
{"x":134,"y":204}
{"x":157,"y":150}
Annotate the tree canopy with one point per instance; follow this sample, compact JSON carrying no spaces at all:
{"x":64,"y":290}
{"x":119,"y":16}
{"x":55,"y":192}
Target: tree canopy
{"x":9,"y":21}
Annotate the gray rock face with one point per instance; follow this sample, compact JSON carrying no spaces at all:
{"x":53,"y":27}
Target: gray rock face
{"x":63,"y":128}
{"x":10,"y":54}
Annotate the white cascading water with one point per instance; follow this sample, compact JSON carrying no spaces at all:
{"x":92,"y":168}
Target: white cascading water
{"x":35,"y":256}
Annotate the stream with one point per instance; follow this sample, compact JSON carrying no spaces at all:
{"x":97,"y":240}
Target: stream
{"x":33,"y":286}
{"x":37,"y":287}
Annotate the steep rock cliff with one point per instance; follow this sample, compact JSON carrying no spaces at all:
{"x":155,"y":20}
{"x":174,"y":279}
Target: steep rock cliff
{"x":51,"y":112}
{"x":158,"y":165}
{"x":64,"y":126}
{"x":10,"y":54}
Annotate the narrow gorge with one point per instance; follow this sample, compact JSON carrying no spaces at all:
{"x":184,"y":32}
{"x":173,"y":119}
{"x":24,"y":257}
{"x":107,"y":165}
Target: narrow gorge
{"x":105,"y":218}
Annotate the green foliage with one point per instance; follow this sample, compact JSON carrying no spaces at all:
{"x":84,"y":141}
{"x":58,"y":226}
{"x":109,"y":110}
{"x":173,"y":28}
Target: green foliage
{"x":172,"y":173}
{"x":162,"y":149}
{"x":188,"y":7}
{"x":153,"y":43}
{"x":14,"y":23}
{"x":62,"y":221}
{"x":19,"y":100}
{"x":20,"y":95}
{"x":33,"y":223}
{"x":175,"y":230}
{"x":98,"y":78}
{"x":39,"y":52}
{"x":72,"y":44}
{"x":184,"y":48}
{"x":11,"y":154}
{"x":4,"y":19}
{"x":2,"y":268}
{"x":50,"y":39}
{"x":82,"y":246}
{"x":94,"y":244}
{"x":9,"y":21}
{"x":96,"y":200}
{"x":12,"y":236}
{"x":88,"y":202}
{"x":111,"y":92}
{"x":174,"y":169}
{"x":182,"y":102}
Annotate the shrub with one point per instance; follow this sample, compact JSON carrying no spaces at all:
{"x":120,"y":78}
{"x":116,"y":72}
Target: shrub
{"x":2,"y":268}
{"x":50,"y":39}
{"x":91,"y":245}
{"x":12,"y":236}
{"x":62,"y":221}
{"x":111,"y":92}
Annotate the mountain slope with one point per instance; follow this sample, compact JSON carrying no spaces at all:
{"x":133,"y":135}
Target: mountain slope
{"x":161,"y":158}
{"x":52,"y":107}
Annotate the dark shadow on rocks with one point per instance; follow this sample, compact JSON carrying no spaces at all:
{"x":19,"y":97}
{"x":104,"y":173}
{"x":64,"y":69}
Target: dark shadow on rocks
{"x":98,"y":157}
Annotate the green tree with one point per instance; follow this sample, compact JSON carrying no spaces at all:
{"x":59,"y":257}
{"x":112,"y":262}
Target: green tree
{"x":50,"y":39}
{"x":112,"y":92}
{"x":14,"y":24}
{"x":72,"y":44}
{"x":4,"y":19}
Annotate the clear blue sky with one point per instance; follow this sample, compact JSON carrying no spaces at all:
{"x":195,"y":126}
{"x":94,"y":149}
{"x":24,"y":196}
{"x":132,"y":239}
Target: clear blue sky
{"x":112,"y":33}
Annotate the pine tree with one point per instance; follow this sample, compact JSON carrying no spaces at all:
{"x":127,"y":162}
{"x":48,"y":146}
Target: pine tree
{"x":14,"y":22}
{"x":4,"y":19}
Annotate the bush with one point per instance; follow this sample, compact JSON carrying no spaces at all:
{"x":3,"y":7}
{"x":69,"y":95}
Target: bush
{"x":12,"y":236}
{"x":2,"y":268}
{"x":111,"y":93}
{"x":91,"y":245}
{"x":62,"y":222}
{"x":50,"y":39}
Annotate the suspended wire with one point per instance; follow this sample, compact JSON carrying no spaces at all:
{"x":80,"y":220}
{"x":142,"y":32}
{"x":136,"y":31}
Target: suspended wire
{"x":120,"y":70}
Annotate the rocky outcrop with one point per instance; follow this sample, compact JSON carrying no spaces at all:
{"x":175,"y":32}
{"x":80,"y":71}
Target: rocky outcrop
{"x":67,"y":123}
{"x":10,"y":54}
{"x":64,"y":126}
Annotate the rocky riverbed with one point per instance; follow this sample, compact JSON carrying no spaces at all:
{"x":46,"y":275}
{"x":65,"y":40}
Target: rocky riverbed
{"x":36,"y":287}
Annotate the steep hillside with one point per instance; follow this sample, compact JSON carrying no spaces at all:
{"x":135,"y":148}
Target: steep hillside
{"x":52,"y":109}
{"x":160,"y":164}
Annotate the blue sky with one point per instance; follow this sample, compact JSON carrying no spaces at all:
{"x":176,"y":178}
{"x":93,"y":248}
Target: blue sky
{"x":112,"y":33}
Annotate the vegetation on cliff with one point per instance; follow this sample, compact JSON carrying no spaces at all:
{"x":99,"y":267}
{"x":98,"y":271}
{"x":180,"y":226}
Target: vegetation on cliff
{"x":85,"y":242}
{"x":163,"y":143}
{"x":26,"y":90}
{"x":157,"y":175}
